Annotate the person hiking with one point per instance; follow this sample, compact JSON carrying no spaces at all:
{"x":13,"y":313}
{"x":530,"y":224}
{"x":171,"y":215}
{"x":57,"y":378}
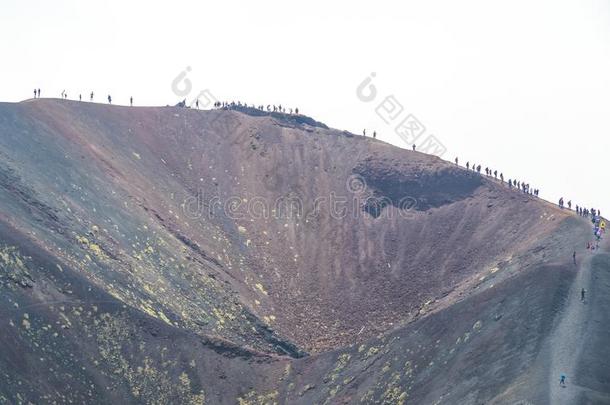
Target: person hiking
{"x":456,"y":161}
{"x":109,"y":99}
{"x":80,"y":97}
{"x":467,"y":165}
{"x":91,"y":97}
{"x":197,"y":104}
{"x":570,"y":204}
{"x":38,"y":93}
{"x":574,"y":257}
{"x":413,"y":147}
{"x":562,"y":380}
{"x":582,"y":294}
{"x":131,"y":101}
{"x":34,"y":93}
{"x":363,"y":131}
{"x":374,"y":134}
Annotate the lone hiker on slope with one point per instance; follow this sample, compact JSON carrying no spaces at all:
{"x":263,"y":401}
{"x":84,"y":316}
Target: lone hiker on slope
{"x":562,"y":380}
{"x":109,"y":99}
{"x":574,"y":257}
{"x":582,"y":295}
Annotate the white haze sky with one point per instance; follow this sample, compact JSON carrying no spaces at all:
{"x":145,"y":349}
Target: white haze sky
{"x":522,"y":86}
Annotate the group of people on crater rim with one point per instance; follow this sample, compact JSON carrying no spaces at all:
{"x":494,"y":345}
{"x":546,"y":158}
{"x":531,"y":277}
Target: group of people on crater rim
{"x":583,"y":212}
{"x":519,"y":185}
{"x":237,"y":105}
{"x":64,"y":96}
{"x":527,"y":189}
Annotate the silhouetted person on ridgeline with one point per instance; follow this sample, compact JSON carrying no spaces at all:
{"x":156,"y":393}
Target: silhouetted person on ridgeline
{"x":374,"y":134}
{"x":456,"y":161}
{"x":413,"y":147}
{"x":80,"y":97}
{"x":109,"y":99}
{"x":38,"y":93}
{"x":34,"y":93}
{"x":131,"y":101}
{"x":467,"y":165}
{"x":91,"y":97}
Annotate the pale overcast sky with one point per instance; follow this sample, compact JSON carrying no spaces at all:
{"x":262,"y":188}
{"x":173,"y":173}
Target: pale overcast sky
{"x":522,"y":86}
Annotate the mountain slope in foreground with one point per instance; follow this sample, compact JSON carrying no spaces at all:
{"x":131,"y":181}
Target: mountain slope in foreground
{"x":167,"y":255}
